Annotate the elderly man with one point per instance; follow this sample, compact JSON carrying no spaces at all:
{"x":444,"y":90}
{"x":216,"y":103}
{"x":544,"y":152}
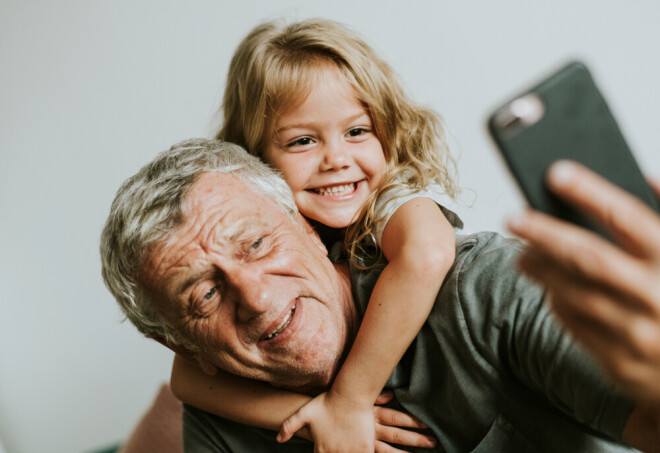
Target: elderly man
{"x":204,"y":251}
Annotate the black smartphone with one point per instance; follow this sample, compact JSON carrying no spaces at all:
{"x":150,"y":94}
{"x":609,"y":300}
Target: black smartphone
{"x":564,"y":117}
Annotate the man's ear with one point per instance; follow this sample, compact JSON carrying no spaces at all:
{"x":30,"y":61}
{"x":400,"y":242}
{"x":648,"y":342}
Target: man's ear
{"x":206,"y":366}
{"x":311,"y":232}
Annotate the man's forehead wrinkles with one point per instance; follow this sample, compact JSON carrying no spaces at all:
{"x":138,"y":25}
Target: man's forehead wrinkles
{"x":225,"y":229}
{"x":166,"y":255}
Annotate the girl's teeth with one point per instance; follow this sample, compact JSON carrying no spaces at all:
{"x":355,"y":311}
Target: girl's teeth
{"x":336,"y":190}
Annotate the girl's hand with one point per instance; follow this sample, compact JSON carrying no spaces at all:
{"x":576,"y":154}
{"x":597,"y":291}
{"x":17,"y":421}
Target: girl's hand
{"x":339,"y":424}
{"x":336,"y":423}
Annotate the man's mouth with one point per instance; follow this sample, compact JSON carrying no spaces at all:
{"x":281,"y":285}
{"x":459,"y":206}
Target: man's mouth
{"x":338,"y":190}
{"x":283,"y":325}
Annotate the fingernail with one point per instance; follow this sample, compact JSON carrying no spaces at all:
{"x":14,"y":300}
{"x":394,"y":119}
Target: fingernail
{"x":432,"y":442}
{"x":562,"y":173}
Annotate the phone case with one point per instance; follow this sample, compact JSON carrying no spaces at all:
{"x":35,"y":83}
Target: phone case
{"x":571,"y":121}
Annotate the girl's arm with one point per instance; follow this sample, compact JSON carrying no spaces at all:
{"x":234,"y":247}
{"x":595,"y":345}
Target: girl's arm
{"x":419,"y":244}
{"x":259,"y":404}
{"x":239,"y":399}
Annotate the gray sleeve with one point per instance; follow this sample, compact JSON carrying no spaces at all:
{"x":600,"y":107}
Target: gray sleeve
{"x":204,"y":432}
{"x":200,"y":434}
{"x":519,"y":335}
{"x":547,"y":360}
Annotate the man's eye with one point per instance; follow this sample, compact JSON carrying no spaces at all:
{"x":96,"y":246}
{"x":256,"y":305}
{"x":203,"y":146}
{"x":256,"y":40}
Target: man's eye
{"x":255,"y":245}
{"x":210,"y":294}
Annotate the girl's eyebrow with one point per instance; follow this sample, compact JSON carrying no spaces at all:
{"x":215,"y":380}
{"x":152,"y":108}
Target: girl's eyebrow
{"x":294,"y":126}
{"x":310,"y":124}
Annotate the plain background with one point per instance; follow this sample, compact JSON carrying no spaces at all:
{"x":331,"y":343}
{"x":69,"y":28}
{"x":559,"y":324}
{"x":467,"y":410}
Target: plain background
{"x":90,"y":91}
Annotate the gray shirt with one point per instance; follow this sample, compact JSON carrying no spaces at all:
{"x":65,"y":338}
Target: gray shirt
{"x":490,"y":371}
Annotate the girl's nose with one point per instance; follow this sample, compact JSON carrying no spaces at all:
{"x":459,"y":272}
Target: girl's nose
{"x":335,"y":157}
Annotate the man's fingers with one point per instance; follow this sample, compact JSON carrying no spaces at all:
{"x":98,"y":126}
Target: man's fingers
{"x":384,"y":397}
{"x":599,"y":317}
{"x":290,"y":426}
{"x":393,"y":417}
{"x":655,"y":185}
{"x":578,"y":296}
{"x":404,"y":437}
{"x":626,"y":217}
{"x":384,"y":447}
{"x":584,"y":254}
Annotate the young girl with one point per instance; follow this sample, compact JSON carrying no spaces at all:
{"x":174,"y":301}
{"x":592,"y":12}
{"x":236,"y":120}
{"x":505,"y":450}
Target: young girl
{"x":316,"y":102}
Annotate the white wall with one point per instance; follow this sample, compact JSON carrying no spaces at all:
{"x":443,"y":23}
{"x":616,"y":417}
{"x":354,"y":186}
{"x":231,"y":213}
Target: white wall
{"x":90,"y":91}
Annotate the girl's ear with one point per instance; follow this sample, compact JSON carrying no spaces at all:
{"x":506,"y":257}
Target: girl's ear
{"x":311,"y":232}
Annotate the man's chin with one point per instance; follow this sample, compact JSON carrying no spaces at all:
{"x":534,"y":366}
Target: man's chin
{"x":308,"y":389}
{"x":310,"y":385}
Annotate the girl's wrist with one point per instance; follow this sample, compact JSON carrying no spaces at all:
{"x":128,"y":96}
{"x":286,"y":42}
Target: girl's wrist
{"x":351,"y":394}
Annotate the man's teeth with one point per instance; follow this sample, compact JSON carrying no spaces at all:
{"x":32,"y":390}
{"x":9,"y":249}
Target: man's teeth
{"x":336,"y":190}
{"x":283,"y":325}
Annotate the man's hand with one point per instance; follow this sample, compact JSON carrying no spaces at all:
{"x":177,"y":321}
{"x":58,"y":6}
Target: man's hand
{"x":607,"y":295}
{"x":339,"y":425}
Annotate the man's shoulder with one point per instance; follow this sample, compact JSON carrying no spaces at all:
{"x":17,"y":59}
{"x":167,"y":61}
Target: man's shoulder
{"x":485,"y":276}
{"x":470,"y":247}
{"x":481,"y":258}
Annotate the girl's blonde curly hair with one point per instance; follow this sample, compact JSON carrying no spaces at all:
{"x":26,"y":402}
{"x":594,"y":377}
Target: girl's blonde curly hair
{"x":274,"y":68}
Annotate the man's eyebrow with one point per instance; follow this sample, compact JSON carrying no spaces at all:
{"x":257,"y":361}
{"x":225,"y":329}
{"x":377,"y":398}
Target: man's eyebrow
{"x":187,"y":283}
{"x":239,"y":231}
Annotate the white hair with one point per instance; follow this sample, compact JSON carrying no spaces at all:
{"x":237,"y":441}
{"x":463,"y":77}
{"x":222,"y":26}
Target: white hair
{"x":148,"y":208}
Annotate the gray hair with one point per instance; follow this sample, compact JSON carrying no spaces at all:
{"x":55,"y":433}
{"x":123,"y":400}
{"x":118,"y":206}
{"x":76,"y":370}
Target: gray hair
{"x":148,"y":208}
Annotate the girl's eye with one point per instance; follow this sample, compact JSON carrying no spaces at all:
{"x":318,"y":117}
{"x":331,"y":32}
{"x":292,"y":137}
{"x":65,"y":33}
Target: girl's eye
{"x":357,"y":131}
{"x":303,"y":141}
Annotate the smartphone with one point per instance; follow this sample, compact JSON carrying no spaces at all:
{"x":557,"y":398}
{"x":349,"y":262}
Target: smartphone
{"x":564,"y":117}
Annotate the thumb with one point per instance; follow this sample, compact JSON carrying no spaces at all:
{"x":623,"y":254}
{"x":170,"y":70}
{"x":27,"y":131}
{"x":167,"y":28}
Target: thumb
{"x":290,"y":426}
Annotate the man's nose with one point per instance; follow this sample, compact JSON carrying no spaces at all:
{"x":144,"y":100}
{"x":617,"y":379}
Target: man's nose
{"x":335,"y":156}
{"x":253,"y":294}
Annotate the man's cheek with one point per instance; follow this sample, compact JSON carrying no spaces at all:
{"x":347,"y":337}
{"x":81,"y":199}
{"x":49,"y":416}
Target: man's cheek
{"x":321,"y":346}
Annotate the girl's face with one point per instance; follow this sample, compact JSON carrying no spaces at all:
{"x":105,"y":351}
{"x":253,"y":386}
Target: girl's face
{"x":327,"y":151}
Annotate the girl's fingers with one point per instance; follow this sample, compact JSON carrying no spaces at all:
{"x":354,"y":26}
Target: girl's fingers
{"x":399,"y":436}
